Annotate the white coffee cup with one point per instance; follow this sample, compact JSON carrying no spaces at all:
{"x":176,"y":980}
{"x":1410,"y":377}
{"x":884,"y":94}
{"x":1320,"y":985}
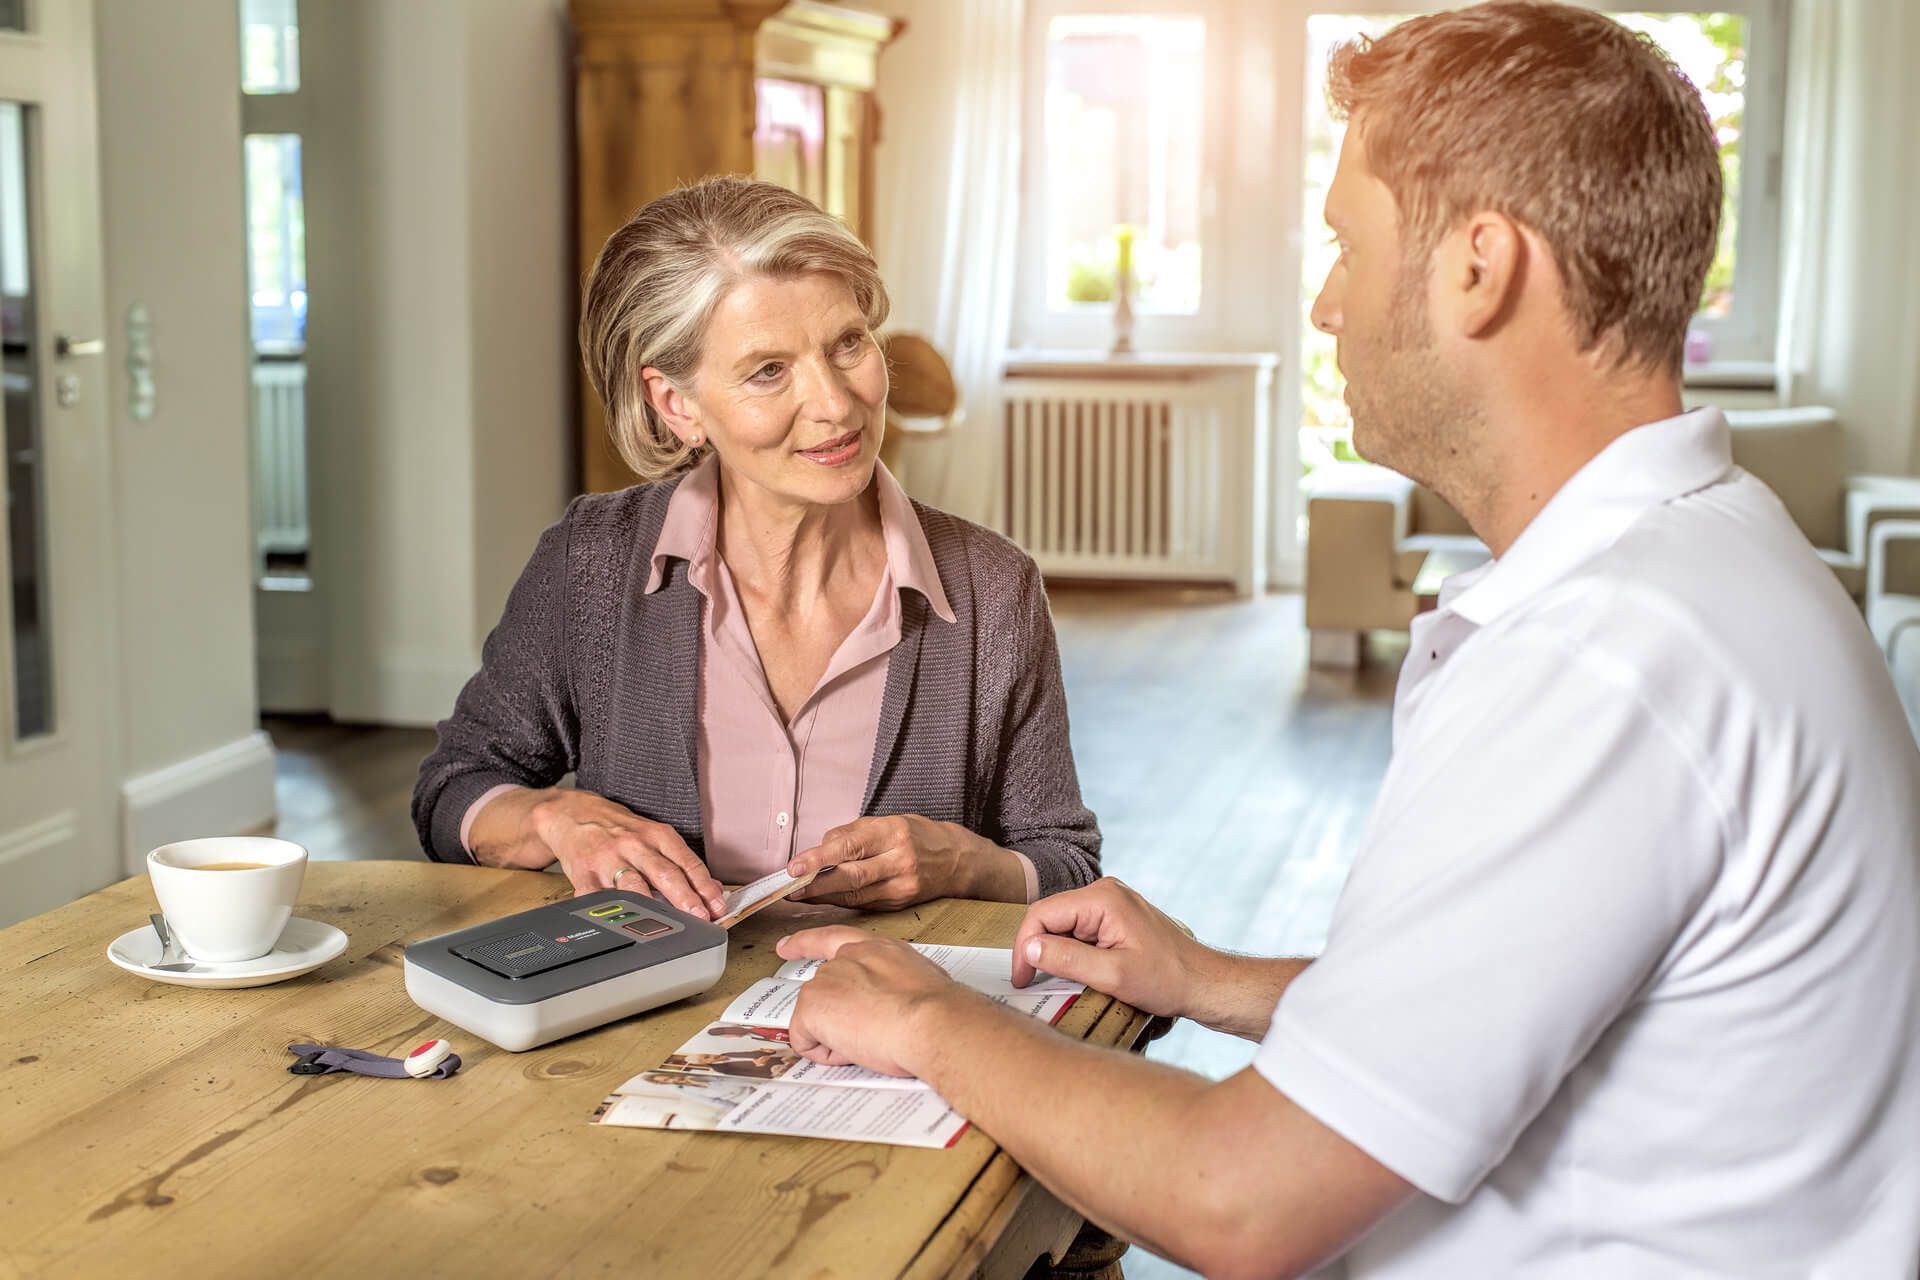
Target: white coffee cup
{"x":222,"y":915}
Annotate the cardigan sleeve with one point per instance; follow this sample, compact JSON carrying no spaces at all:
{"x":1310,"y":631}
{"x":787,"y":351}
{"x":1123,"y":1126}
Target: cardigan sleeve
{"x":1035,"y":806}
{"x":516,"y":721}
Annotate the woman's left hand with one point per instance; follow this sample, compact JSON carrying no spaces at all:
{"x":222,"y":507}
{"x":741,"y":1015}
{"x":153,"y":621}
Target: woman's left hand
{"x":885,"y":863}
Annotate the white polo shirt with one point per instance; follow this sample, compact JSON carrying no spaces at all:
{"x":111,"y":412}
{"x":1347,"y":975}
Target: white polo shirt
{"x":1626,"y":977}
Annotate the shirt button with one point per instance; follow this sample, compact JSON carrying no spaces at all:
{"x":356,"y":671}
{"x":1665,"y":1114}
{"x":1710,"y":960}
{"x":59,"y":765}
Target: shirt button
{"x":780,"y":819}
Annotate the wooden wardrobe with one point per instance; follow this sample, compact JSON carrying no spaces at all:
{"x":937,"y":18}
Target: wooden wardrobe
{"x":668,"y":91}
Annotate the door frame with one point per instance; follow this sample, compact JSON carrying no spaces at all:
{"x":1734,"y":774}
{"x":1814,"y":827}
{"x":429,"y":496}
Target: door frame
{"x":71,"y":846}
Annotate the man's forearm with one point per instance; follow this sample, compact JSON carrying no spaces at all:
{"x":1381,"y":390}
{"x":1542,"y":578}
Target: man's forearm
{"x":1228,"y":1178}
{"x":1237,"y":994}
{"x":1101,"y":1129}
{"x":1231,"y":1178}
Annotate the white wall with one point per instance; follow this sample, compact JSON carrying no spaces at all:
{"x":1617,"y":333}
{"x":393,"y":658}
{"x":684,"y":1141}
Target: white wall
{"x":523,"y":287}
{"x":388,"y":357}
{"x":439,"y":382}
{"x":436,"y":164}
{"x":193,"y":761}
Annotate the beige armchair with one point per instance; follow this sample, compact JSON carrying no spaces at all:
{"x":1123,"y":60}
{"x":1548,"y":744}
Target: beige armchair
{"x":1370,"y":531}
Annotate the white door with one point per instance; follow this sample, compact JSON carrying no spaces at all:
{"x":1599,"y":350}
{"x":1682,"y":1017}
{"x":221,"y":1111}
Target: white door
{"x":58,"y":674}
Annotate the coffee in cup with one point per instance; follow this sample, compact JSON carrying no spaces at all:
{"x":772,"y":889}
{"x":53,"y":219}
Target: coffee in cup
{"x":238,"y":915}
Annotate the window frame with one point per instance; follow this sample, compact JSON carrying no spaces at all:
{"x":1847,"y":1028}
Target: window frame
{"x":1746,"y":335}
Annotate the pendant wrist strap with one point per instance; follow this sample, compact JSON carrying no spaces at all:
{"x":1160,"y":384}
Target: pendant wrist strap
{"x":320,"y":1060}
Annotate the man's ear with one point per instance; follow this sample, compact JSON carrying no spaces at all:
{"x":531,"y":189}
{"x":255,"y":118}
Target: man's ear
{"x":675,"y":407}
{"x":1482,"y":268}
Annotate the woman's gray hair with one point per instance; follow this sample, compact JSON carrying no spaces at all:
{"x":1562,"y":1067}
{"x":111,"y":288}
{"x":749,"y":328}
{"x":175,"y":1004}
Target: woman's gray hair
{"x":658,"y":279}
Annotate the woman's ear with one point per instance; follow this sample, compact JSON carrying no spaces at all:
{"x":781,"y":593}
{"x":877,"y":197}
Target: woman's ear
{"x":674,"y":406}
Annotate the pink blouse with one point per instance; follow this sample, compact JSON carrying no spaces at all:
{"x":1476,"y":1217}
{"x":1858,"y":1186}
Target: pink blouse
{"x":770,"y":787}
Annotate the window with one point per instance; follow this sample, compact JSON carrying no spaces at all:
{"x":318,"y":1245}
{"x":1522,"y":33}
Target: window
{"x":790,"y":136}
{"x":1120,"y":156}
{"x":1744,"y":94}
{"x":269,"y":46}
{"x":1326,"y":429}
{"x":1712,"y":49}
{"x":276,"y":241}
{"x":1123,"y":144}
{"x":273,"y":109}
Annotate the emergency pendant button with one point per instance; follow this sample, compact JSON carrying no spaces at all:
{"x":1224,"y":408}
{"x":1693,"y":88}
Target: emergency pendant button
{"x":425,"y":1060}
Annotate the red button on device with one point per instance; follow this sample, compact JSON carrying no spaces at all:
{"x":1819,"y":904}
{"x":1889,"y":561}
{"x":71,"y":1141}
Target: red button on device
{"x":647,"y":928}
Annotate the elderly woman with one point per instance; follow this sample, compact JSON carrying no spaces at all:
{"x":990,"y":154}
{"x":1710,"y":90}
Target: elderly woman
{"x":765,"y":656}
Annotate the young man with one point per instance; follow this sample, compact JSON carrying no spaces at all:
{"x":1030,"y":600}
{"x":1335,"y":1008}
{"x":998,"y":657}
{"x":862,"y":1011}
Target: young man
{"x":1626,"y":979}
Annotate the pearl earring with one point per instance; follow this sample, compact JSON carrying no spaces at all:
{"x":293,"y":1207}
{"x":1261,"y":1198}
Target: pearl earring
{"x":694,"y":439}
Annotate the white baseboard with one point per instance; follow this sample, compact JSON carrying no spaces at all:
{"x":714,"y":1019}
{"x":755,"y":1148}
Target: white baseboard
{"x":226,"y":791}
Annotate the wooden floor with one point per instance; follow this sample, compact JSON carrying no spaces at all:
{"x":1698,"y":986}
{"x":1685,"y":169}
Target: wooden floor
{"x":1231,"y":781}
{"x":343,"y":790}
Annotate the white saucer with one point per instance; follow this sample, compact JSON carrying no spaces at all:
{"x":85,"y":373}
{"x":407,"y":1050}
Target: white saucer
{"x":304,"y":946}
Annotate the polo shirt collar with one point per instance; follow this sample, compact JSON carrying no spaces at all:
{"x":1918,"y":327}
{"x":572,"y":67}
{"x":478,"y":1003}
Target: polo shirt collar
{"x":1645,"y":467}
{"x":690,"y":530}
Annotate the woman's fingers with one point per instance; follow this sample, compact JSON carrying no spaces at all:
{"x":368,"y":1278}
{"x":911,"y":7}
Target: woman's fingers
{"x":853,"y":842}
{"x":669,"y":880}
{"x":890,"y":880}
{"x":597,"y":872}
{"x":668,"y":844}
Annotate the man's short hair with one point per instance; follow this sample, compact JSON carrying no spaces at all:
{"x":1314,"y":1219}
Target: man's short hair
{"x":1567,"y":122}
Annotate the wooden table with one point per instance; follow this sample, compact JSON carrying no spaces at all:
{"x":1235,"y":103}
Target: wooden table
{"x":155,"y":1128}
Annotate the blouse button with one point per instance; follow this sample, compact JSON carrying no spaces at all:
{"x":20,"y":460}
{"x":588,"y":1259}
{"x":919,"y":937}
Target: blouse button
{"x":780,"y":819}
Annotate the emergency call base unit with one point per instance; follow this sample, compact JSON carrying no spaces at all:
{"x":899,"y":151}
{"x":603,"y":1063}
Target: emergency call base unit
{"x":537,"y":976}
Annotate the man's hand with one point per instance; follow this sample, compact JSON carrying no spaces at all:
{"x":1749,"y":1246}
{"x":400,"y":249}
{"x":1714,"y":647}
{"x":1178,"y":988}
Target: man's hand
{"x":864,"y":1005}
{"x":1112,"y":939}
{"x":885,"y":863}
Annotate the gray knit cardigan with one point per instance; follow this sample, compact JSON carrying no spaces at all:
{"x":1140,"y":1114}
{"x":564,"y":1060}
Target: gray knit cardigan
{"x":588,"y":673}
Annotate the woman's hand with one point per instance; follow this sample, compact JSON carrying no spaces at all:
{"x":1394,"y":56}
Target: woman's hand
{"x":886,"y":863}
{"x":592,"y":838}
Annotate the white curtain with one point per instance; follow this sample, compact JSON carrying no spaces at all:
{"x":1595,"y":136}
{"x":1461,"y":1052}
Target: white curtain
{"x":1850,"y":233}
{"x":947,"y":221}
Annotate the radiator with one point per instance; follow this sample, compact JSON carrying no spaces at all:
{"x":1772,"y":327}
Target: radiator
{"x":280,"y":457}
{"x":1129,"y":478}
